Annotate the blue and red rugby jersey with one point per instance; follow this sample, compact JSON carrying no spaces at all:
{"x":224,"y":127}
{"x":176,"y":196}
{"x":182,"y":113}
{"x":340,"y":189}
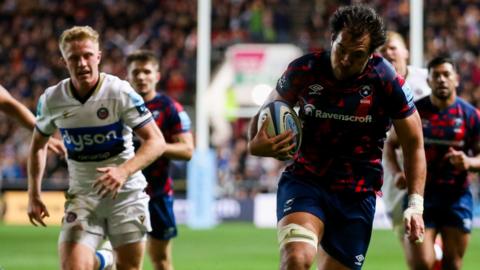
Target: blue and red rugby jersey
{"x":172,"y":120}
{"x":457,"y":126}
{"x":344,"y":122}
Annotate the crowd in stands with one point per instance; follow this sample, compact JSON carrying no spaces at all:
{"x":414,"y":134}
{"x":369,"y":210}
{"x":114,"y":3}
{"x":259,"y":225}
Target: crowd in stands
{"x":30,"y":59}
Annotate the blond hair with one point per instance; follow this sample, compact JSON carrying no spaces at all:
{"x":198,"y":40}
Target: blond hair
{"x":395,"y":35}
{"x":77,"y":33}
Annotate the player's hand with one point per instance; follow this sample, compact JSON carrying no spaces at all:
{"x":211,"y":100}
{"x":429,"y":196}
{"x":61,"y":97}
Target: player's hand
{"x":56,"y":146}
{"x":414,"y":226}
{"x":278,"y":147}
{"x":415,"y":229}
{"x":400,"y":180}
{"x":458,"y":159}
{"x":37,"y":211}
{"x":110,"y":182}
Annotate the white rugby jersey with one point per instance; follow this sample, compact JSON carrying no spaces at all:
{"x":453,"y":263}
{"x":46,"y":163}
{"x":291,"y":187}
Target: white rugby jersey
{"x":417,"y":80}
{"x":96,"y":133}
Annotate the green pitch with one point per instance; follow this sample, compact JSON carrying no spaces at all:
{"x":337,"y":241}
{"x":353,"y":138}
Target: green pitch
{"x":229,"y":246}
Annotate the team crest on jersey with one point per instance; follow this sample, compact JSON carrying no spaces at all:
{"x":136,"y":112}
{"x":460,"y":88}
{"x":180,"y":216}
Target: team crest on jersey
{"x":70,"y":217}
{"x":102,"y":113}
{"x":141,"y":218}
{"x":457,"y":126}
{"x":315,"y":89}
{"x":365,"y":91}
{"x":155,"y":114}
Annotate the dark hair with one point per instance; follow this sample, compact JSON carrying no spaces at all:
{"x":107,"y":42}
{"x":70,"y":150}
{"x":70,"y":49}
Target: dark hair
{"x":359,"y":20}
{"x":142,"y":56}
{"x":440,"y":60}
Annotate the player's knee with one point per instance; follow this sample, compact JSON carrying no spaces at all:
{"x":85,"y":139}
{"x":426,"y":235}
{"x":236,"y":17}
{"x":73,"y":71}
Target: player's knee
{"x":75,"y":256}
{"x":161,"y":261}
{"x":453,"y":263}
{"x":162,"y":264}
{"x":295,"y":256}
{"x":294,"y":241}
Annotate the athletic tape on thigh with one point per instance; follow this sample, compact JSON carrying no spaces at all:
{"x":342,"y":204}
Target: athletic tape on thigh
{"x":296,"y":233}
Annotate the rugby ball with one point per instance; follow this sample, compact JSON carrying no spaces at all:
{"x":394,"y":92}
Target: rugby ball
{"x":281,"y":118}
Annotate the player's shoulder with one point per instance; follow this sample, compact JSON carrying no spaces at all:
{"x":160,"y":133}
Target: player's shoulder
{"x":421,"y":102}
{"x":55,"y":92}
{"x":417,"y":71}
{"x":115,"y":88}
{"x":171,"y":102}
{"x":466,"y":106}
{"x":112,"y":81}
{"x":383,"y":69}
{"x":310,"y":60}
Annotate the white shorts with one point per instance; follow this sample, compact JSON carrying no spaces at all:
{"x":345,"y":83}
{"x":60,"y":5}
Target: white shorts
{"x":89,"y":219}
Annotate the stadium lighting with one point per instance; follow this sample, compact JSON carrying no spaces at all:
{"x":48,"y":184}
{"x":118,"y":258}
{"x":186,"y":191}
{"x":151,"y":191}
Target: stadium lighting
{"x":260,"y":93}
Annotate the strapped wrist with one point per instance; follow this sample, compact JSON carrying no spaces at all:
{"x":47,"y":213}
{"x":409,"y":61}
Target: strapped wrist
{"x":415,"y":206}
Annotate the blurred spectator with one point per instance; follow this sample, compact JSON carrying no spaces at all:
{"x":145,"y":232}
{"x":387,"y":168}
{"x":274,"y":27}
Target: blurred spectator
{"x":30,"y":58}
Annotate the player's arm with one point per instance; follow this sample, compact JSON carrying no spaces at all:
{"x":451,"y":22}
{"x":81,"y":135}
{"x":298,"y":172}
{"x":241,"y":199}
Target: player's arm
{"x":14,"y":108}
{"x":25,"y":117}
{"x":182,"y":148}
{"x":152,"y":147}
{"x":410,"y":137}
{"x":391,"y":161}
{"x":461,"y":161}
{"x":259,"y":144}
{"x":458,"y":158}
{"x":37,"y":210}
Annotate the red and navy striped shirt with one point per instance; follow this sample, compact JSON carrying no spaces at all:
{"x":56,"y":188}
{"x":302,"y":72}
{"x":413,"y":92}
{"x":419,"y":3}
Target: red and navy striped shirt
{"x":172,"y":120}
{"x":457,"y":126}
{"x":344,"y":122}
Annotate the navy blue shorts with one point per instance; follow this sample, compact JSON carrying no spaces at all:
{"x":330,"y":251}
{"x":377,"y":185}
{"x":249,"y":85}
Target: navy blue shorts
{"x":448,"y":210}
{"x":162,"y":218}
{"x":348,"y":217}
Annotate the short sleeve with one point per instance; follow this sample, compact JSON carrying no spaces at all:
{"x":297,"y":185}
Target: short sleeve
{"x":135,"y":113}
{"x":44,"y":123}
{"x":293,"y":80}
{"x":181,"y":120}
{"x":401,"y":102}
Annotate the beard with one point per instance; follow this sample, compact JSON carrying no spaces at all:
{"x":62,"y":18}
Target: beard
{"x":442,"y":93}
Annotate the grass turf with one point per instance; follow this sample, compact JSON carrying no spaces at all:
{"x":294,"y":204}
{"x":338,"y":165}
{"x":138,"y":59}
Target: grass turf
{"x":227,"y":247}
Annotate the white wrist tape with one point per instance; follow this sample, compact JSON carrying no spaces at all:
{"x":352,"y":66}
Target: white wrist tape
{"x":415,"y":206}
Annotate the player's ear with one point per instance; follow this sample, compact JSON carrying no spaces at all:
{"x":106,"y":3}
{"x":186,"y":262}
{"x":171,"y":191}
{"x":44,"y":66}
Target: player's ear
{"x":99,"y":56}
{"x":63,"y":61}
{"x":159,"y":76}
{"x":457,"y":80}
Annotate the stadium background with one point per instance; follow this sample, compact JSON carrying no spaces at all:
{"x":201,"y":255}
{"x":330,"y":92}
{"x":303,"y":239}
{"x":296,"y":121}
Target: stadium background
{"x":30,"y":61}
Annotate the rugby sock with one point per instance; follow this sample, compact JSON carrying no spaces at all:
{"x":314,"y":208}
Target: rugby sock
{"x":105,"y":256}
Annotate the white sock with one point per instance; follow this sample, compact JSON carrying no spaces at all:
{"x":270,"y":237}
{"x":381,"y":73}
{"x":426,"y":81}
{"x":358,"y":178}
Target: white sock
{"x":105,"y":258}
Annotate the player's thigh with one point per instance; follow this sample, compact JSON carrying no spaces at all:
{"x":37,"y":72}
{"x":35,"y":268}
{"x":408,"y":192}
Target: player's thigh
{"x":304,"y":219}
{"x":348,"y":227}
{"x":129,"y":219}
{"x":76,"y":256}
{"x":130,"y":256}
{"x":81,"y":224}
{"x":162,"y":218}
{"x":298,"y":235}
{"x":299,"y":213}
{"x":455,"y":242}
